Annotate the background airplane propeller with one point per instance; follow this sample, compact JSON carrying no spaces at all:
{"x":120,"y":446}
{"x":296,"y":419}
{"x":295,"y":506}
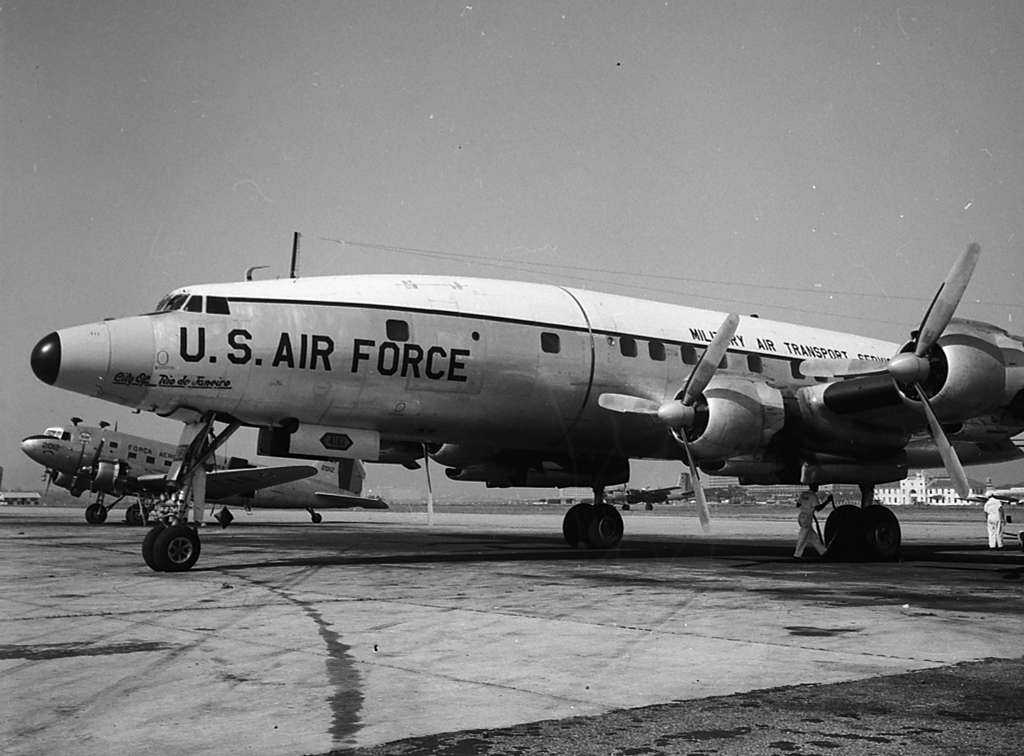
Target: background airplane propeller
{"x":680,"y":414}
{"x":912,"y":367}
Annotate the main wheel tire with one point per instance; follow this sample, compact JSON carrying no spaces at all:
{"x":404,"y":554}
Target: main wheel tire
{"x":316,"y":517}
{"x":575,"y":524}
{"x":606,"y":528}
{"x":844,"y":533}
{"x":95,"y":514}
{"x":882,"y":534}
{"x":147,"y":547}
{"x":133,"y":515}
{"x":176,"y":548}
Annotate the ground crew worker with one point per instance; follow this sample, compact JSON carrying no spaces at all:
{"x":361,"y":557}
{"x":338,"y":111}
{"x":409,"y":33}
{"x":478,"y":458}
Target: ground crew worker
{"x":995,"y":520}
{"x":808,"y":504}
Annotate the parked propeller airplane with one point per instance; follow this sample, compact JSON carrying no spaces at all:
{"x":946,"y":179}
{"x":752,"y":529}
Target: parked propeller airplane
{"x":344,"y":476}
{"x":626,"y":497}
{"x":108,"y":462}
{"x":526,"y":384}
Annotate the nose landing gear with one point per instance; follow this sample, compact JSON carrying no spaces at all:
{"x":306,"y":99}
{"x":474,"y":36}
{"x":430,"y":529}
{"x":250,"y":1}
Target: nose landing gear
{"x":173,"y":544}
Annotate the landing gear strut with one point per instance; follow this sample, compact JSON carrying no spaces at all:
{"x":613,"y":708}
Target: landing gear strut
{"x":173,"y":544}
{"x":314,"y":516}
{"x":596,"y":526}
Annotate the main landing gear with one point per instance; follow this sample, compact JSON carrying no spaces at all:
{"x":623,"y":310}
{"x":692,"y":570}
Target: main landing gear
{"x":596,"y":526}
{"x":172,"y":545}
{"x":868,"y":532}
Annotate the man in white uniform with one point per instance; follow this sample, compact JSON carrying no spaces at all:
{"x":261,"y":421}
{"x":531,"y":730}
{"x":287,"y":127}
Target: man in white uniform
{"x":995,"y":519}
{"x":808,"y":504}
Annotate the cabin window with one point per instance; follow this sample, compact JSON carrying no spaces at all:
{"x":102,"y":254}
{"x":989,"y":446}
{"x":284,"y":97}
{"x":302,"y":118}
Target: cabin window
{"x":132,"y":455}
{"x":794,"y":369}
{"x":195,"y":304}
{"x":656,"y":350}
{"x":689,"y":354}
{"x":550,"y":342}
{"x":150,"y":460}
{"x":627,"y":345}
{"x":724,"y":364}
{"x":754,"y":363}
{"x":397,"y":330}
{"x":112,"y":444}
{"x":217,"y":306}
{"x":167,"y":463}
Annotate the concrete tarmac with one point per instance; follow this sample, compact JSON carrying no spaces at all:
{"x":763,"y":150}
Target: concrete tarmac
{"x":293,"y":638}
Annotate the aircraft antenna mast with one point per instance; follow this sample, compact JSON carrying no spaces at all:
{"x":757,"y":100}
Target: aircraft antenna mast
{"x":295,"y":255}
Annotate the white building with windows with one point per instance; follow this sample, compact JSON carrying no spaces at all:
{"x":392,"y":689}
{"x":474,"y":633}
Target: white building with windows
{"x":922,"y":487}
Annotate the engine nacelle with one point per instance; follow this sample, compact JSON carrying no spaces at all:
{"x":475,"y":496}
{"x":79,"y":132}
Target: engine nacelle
{"x":109,"y":477}
{"x":741,"y":416}
{"x":610,"y":471}
{"x":66,"y":480}
{"x":461,"y":455}
{"x":968,"y":375}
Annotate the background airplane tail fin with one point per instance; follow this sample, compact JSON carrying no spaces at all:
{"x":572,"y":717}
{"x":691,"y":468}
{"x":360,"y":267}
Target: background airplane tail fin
{"x":351,"y":475}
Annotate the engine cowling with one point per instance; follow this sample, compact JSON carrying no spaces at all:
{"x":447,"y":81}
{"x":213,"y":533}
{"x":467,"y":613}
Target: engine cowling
{"x":460,"y":455}
{"x":109,"y":477}
{"x":737,"y":415}
{"x":65,"y":480}
{"x":968,"y":371}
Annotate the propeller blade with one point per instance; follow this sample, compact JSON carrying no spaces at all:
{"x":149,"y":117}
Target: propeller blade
{"x":703,"y":513}
{"x":946,"y":300}
{"x":631,"y":405}
{"x":946,"y":450}
{"x":825,"y":368}
{"x":709,"y":361}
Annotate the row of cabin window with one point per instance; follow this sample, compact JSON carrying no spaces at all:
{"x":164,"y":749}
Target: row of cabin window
{"x":134,"y":455}
{"x":551,"y":343}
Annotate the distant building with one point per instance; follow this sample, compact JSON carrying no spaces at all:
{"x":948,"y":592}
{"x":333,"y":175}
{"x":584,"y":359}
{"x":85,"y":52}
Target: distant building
{"x":19,"y":498}
{"x":921,"y":488}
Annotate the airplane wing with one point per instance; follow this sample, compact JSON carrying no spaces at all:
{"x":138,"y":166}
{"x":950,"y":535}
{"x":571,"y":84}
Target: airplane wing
{"x":222,"y":483}
{"x":328,"y":500}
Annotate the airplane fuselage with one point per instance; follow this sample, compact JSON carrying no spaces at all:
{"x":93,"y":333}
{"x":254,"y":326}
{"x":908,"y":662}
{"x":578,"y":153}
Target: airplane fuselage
{"x":462,"y":361}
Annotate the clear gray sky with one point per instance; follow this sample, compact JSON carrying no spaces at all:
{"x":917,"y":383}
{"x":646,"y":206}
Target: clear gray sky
{"x":820,"y":162}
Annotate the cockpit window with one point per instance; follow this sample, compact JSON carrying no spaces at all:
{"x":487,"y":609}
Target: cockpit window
{"x":171,"y":302}
{"x":195,"y":304}
{"x":55,"y":432}
{"x":217,"y":306}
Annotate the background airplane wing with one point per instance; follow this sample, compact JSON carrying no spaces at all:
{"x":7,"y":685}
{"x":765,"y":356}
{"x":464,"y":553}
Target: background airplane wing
{"x":221,"y":483}
{"x":326,"y":499}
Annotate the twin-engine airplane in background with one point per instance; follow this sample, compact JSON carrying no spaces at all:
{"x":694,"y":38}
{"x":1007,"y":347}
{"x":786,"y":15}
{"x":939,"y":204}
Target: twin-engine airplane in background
{"x":535,"y":385}
{"x":108,"y":462}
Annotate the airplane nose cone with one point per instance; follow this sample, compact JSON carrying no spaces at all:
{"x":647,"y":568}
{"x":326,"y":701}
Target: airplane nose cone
{"x":33,"y":446}
{"x":46,"y":358}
